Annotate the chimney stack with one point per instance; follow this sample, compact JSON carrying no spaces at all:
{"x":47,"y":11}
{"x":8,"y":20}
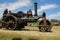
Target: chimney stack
{"x":35,"y":9}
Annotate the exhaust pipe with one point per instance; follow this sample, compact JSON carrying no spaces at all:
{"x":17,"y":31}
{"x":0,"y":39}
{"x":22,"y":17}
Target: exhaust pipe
{"x":35,"y":9}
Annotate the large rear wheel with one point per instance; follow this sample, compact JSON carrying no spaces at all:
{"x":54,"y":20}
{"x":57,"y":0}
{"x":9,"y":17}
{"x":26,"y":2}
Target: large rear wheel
{"x":10,"y":22}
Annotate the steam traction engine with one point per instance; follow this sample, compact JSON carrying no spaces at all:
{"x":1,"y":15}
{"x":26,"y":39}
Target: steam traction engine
{"x":19,"y":20}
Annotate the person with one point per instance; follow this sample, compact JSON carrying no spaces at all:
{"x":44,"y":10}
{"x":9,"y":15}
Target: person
{"x":5,"y":12}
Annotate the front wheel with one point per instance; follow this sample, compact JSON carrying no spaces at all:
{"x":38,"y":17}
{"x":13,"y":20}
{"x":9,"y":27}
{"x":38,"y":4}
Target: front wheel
{"x":45,"y":28}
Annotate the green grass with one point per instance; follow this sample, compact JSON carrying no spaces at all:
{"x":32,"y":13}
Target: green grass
{"x":31,"y":34}
{"x":34,"y":23}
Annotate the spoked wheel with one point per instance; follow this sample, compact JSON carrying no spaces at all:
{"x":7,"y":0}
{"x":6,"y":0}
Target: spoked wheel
{"x":45,"y":28}
{"x":10,"y":23}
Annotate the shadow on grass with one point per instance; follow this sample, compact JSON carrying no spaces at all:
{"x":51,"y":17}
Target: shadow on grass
{"x":25,"y":30}
{"x":28,"y":30}
{"x":16,"y":38}
{"x":31,"y":30}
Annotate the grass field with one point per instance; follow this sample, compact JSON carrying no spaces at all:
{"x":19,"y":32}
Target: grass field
{"x":30,"y":33}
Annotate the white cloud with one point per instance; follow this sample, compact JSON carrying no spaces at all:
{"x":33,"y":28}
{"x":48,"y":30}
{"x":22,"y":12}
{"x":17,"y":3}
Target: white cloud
{"x":15,"y":5}
{"x":46,"y":7}
{"x":54,"y":15}
{"x":2,"y":7}
{"x":19,"y":4}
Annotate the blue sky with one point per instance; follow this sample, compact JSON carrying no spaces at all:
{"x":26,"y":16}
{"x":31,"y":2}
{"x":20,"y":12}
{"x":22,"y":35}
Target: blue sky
{"x":51,"y":7}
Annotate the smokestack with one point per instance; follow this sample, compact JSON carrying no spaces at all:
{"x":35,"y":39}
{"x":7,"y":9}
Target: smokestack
{"x":35,"y":9}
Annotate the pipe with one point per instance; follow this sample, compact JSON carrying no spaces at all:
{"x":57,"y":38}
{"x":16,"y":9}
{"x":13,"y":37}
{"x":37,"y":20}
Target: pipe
{"x":35,"y":9}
